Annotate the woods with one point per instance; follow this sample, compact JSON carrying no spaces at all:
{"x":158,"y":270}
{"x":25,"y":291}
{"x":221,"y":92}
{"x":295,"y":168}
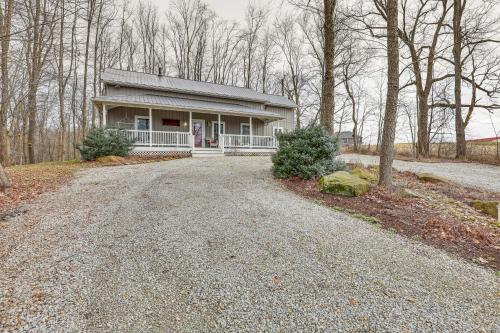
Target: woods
{"x":328,"y":56}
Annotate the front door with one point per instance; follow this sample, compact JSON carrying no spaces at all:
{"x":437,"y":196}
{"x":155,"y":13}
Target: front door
{"x":199,"y":132}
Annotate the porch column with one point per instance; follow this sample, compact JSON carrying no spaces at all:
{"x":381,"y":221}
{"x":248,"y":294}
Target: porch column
{"x":150,"y":127}
{"x":251,"y":132}
{"x":104,"y":116}
{"x":191,"y":135}
{"x":221,"y":143}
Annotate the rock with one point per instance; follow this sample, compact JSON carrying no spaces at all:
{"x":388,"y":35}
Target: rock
{"x":487,"y":207}
{"x":343,"y":183}
{"x":364,"y":174}
{"x":431,"y":178}
{"x":410,"y":194}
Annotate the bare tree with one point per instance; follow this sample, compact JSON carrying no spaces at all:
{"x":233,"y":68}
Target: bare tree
{"x":41,"y":23}
{"x":292,"y":49}
{"x":6,"y":13}
{"x":188,"y":21}
{"x":390,"y":11}
{"x":327,"y":108}
{"x":89,"y":17}
{"x":255,"y":21}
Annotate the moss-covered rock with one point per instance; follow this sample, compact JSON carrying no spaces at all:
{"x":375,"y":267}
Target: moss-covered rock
{"x":431,"y":178}
{"x":487,"y":207}
{"x":365,"y":174}
{"x":343,"y":183}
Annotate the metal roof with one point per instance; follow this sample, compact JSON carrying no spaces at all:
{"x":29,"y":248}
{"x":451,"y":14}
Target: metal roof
{"x":160,"y":102}
{"x":152,"y":81}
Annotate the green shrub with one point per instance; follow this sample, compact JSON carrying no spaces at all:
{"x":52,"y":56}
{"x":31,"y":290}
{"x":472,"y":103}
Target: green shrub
{"x":306,"y":153}
{"x":100,"y":142}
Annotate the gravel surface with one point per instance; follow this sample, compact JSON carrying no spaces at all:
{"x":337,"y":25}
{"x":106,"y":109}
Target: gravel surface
{"x":469,"y":174}
{"x":215,"y":245}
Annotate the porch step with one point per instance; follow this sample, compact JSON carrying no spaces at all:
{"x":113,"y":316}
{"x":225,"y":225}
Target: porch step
{"x":207,"y":152}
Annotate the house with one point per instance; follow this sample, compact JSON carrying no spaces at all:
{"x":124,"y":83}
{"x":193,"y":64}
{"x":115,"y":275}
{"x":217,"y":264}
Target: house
{"x":346,"y":139}
{"x":164,"y":114}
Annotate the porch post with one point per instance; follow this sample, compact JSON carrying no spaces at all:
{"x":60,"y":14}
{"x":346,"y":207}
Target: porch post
{"x":191,"y":135}
{"x":150,"y":127}
{"x":221,"y":142}
{"x":251,"y":132}
{"x":104,"y":116}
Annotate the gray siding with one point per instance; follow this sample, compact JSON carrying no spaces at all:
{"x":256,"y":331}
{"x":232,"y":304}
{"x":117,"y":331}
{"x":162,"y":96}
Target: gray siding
{"x":288,"y":123}
{"x":125,"y":117}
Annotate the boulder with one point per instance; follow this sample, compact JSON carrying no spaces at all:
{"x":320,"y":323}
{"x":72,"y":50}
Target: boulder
{"x":431,"y":178}
{"x":343,"y":183}
{"x":365,"y":174}
{"x":487,"y":207}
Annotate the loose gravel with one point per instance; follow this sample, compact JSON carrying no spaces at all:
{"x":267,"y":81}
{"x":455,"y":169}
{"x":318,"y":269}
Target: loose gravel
{"x":468,"y":174}
{"x":215,"y":245}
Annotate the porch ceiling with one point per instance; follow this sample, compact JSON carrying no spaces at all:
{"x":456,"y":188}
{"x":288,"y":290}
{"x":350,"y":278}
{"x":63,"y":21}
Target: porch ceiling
{"x":184,"y":104}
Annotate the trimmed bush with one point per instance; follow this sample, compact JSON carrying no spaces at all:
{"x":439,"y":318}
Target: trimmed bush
{"x":100,"y":142}
{"x":306,"y":153}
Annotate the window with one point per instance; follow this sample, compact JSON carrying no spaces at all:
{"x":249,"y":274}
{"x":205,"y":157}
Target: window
{"x":215,"y":129}
{"x":277,"y":129}
{"x":171,"y":122}
{"x":142,"y":123}
{"x":245,"y":129}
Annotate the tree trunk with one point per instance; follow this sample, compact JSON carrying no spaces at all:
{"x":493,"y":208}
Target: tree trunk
{"x":4,"y":180}
{"x":422,"y":131}
{"x":461,"y":145}
{"x":5,"y":25}
{"x":90,"y":14}
{"x":327,"y":107}
{"x":391,"y":106}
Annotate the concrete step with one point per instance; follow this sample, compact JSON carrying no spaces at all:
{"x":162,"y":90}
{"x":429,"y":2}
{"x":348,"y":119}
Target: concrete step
{"x":207,"y":152}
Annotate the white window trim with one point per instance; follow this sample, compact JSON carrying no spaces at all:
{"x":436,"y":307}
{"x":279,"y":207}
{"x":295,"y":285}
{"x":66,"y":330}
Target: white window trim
{"x":241,"y":127}
{"x":137,"y":123}
{"x":280,"y":128}
{"x":213,"y":127}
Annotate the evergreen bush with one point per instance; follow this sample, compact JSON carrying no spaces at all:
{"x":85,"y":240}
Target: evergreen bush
{"x":306,"y":153}
{"x":104,"y":142}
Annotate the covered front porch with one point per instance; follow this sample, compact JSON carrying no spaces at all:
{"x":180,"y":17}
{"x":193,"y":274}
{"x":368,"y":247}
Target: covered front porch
{"x":167,"y":127}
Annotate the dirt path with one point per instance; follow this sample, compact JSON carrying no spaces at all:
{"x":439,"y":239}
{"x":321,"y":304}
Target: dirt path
{"x":469,"y":174}
{"x":216,"y":245}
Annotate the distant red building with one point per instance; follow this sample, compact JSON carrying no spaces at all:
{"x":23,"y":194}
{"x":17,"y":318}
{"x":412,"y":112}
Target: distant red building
{"x":493,"y":139}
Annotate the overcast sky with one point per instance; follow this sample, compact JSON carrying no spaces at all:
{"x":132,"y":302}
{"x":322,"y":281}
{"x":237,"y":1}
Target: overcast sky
{"x":479,"y":127}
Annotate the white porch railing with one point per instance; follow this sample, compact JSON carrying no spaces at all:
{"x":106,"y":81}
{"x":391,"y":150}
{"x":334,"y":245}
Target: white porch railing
{"x":247,"y":141}
{"x":159,"y":138}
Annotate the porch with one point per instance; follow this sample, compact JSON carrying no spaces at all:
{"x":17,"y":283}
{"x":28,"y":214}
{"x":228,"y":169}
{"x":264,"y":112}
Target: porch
{"x":228,"y":128}
{"x":179,"y":141}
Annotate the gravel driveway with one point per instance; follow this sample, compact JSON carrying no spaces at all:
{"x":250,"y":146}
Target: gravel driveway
{"x":469,"y":174}
{"x":215,"y":245}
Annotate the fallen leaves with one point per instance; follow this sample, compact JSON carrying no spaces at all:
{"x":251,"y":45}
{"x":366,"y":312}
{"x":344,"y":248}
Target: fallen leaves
{"x":440,"y":215}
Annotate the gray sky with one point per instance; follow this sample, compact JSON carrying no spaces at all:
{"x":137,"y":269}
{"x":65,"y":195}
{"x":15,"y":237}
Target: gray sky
{"x":479,"y":127}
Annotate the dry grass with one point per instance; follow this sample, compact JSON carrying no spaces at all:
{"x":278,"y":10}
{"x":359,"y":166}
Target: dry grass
{"x":29,"y":181}
{"x":476,"y":152}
